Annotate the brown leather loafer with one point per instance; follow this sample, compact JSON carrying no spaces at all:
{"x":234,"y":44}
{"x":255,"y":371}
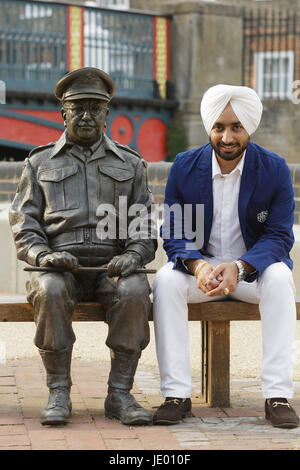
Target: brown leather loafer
{"x":280,"y":413}
{"x":172,"y":411}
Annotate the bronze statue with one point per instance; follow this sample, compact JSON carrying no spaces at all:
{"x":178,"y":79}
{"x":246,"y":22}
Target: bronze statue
{"x":54,"y":219}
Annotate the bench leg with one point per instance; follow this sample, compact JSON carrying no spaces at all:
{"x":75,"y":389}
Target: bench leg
{"x":215,"y":363}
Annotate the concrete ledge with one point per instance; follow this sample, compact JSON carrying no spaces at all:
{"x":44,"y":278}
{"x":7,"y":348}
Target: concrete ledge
{"x":157,"y":177}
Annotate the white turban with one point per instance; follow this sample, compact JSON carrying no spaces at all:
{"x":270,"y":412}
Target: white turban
{"x":244,"y":101}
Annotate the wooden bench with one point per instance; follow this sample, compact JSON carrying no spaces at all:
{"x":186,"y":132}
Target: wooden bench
{"x":215,"y":318}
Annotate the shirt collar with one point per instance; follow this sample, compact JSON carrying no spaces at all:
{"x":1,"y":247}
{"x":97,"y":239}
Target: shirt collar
{"x":97,"y":148}
{"x":93,"y":147}
{"x":216,"y":170}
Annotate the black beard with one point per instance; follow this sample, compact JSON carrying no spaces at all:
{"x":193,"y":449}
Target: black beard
{"x":229,"y":158}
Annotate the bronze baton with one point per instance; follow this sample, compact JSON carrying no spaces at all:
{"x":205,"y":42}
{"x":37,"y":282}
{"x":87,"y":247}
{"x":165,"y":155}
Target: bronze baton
{"x":96,"y":269}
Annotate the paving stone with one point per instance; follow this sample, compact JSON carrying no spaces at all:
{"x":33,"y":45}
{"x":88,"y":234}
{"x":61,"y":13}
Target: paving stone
{"x":14,"y":448}
{"x":12,"y":429}
{"x":104,"y":423}
{"x":155,"y":441}
{"x":10,"y":417}
{"x":45,"y":434}
{"x":124,"y":433}
{"x":7,"y":389}
{"x":15,"y":440}
{"x":211,"y":420}
{"x":81,"y":416}
{"x":205,"y":412}
{"x":52,"y":445}
{"x":7,"y":400}
{"x":192,"y":443}
{"x":89,"y":440}
{"x":123,"y":444}
{"x":6,"y":371}
{"x":242,"y":412}
{"x":7,"y":381}
{"x":196,"y":435}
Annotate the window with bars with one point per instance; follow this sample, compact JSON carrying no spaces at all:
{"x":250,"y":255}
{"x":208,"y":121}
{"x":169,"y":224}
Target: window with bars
{"x":271,"y":59}
{"x":274,"y":74}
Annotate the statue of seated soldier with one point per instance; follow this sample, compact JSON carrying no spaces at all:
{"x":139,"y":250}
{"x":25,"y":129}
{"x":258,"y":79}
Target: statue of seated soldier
{"x":54,"y":219}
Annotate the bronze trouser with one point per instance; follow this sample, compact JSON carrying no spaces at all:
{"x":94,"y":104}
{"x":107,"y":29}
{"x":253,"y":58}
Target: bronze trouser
{"x":126,"y":302}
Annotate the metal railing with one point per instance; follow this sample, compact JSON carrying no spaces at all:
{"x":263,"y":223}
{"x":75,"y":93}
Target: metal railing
{"x":122,"y":45}
{"x":271,"y":61}
{"x":35,"y":45}
{"x":32,"y":44}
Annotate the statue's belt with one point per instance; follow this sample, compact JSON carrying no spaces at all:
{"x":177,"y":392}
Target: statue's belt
{"x":79,"y":236}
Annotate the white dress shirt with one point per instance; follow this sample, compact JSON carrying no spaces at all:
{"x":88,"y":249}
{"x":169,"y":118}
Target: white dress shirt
{"x":226,"y":241}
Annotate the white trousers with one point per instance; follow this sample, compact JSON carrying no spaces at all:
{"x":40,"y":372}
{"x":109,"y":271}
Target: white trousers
{"x":274,"y":291}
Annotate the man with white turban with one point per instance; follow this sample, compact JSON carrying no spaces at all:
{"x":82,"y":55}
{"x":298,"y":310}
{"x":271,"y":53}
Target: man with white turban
{"x":243,"y":253}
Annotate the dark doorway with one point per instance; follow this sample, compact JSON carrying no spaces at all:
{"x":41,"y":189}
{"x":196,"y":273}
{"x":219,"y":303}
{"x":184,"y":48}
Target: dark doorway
{"x":13,"y":154}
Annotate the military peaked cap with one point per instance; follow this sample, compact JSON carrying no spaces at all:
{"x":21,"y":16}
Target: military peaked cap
{"x":87,"y":82}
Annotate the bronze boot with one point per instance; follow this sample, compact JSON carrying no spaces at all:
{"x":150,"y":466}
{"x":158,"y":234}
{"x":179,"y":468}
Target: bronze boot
{"x":119,"y":403}
{"x":57,"y":365}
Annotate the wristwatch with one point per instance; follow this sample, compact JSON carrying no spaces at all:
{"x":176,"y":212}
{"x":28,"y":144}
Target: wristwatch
{"x":241,"y":270}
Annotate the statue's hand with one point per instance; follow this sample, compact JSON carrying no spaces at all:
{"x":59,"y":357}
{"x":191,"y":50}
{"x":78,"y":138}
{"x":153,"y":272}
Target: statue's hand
{"x":124,"y":265}
{"x":60,"y":259}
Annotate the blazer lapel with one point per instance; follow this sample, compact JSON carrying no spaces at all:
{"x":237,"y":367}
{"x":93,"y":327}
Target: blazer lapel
{"x":247,"y":186}
{"x":205,"y":194}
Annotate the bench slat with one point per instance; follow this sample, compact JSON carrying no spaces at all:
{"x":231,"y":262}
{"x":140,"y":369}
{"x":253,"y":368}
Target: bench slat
{"x":230,"y":310}
{"x":23,"y":312}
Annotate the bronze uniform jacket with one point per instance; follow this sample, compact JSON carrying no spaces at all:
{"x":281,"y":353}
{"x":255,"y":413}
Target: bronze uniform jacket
{"x":55,"y":206}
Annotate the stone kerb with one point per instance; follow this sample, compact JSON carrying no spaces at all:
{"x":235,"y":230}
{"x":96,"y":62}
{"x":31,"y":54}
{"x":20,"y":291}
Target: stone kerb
{"x":10,"y":173}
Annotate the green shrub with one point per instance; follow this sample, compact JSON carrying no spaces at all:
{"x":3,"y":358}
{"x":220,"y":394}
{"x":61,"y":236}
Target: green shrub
{"x":176,"y":138}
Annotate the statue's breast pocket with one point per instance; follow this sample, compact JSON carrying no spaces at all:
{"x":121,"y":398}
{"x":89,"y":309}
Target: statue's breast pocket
{"x":60,"y":187}
{"x":115,"y":182}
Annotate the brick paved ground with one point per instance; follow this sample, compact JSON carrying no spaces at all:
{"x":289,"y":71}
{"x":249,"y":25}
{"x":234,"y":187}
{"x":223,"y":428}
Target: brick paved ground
{"x":23,"y":394}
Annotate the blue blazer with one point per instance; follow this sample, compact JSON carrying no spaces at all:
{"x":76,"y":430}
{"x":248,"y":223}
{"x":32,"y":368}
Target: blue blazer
{"x":266,"y":206}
